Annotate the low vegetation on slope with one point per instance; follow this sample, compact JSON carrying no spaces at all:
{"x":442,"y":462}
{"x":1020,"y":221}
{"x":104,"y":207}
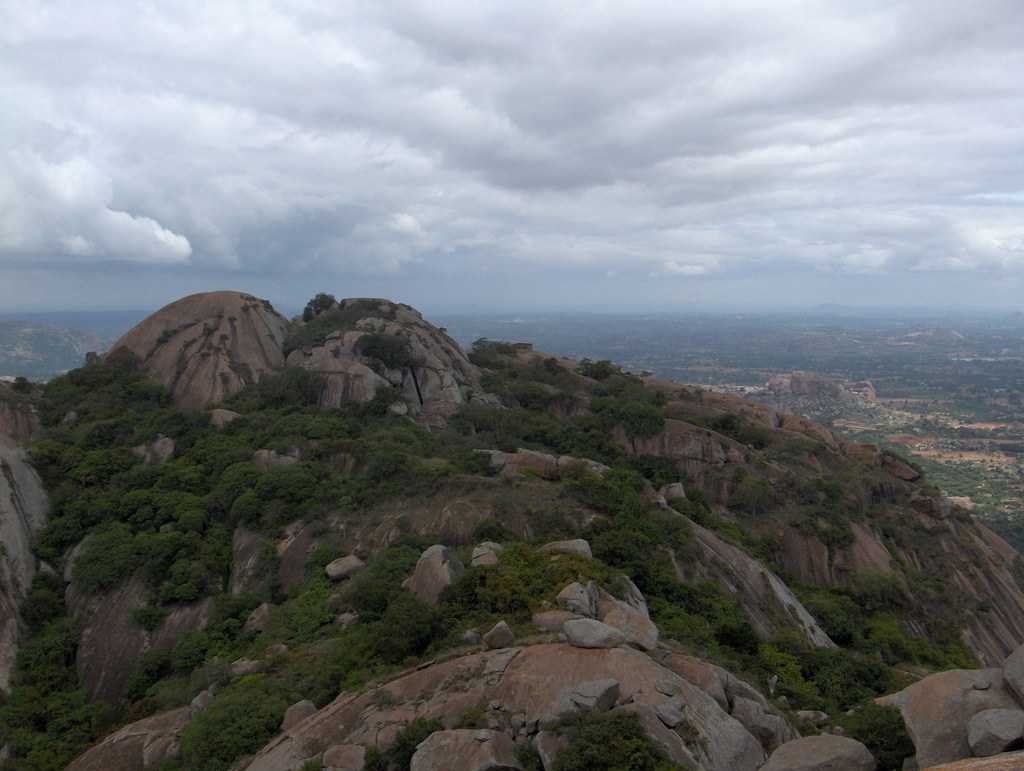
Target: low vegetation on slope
{"x":172,"y":525}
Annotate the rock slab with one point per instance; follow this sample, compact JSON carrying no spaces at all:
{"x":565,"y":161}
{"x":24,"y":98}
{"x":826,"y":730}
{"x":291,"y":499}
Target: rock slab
{"x":821,"y":753}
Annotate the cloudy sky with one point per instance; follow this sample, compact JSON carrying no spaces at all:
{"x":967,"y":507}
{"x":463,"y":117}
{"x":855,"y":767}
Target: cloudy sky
{"x":475,"y":155}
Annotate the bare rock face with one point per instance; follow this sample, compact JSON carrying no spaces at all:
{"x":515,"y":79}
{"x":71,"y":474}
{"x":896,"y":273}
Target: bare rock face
{"x":207,"y":347}
{"x":436,"y":570}
{"x":111,"y":643}
{"x":1011,"y":761}
{"x":996,"y":730}
{"x":429,"y":369}
{"x":144,"y":744}
{"x":344,"y":757}
{"x":466,"y":749}
{"x":23,"y":512}
{"x":938,"y":709}
{"x":763,"y":596}
{"x":527,"y":683}
{"x":822,"y":753}
{"x":296,"y":713}
{"x":19,"y":419}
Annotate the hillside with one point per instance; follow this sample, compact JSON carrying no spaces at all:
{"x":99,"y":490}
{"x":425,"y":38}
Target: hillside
{"x":343,"y":542}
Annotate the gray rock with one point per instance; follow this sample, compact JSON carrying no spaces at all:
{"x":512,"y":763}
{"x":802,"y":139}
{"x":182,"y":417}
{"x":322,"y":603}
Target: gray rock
{"x":296,"y":713}
{"x":821,"y":753}
{"x":436,"y":570}
{"x":240,"y":667}
{"x":673,"y":491}
{"x":552,"y":620}
{"x":277,"y":649}
{"x":201,"y":700}
{"x":812,"y":717}
{"x":632,"y":621}
{"x":344,"y":757}
{"x":221,"y":417}
{"x":589,"y":633}
{"x":343,"y":567}
{"x":671,"y":712}
{"x":576,"y":546}
{"x":995,"y":730}
{"x":577,"y":598}
{"x":595,"y":695}
{"x":346,"y":618}
{"x":471,"y":637}
{"x":485,"y":553}
{"x":500,"y":636}
{"x":770,"y":730}
{"x":548,"y":745}
{"x":1013,"y":672}
{"x":466,"y":750}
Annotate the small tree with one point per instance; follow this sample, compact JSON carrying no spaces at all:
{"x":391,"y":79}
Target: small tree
{"x":322,"y":302}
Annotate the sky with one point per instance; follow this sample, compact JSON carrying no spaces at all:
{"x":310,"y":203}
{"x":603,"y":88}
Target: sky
{"x":513,"y":155}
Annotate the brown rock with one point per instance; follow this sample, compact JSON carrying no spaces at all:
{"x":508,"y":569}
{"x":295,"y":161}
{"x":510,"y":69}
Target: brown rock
{"x":485,"y":553}
{"x":466,"y":749}
{"x":549,"y":745}
{"x":157,"y":452}
{"x":257,"y":620}
{"x":579,"y":599}
{"x":552,"y":620}
{"x":221,"y":417}
{"x":242,"y":667}
{"x":143,"y":744}
{"x":590,"y":633}
{"x":576,"y":546}
{"x":821,"y":753}
{"x":500,"y":636}
{"x":436,"y":570}
{"x":938,"y":709}
{"x":296,"y":713}
{"x":344,"y":757}
{"x":993,"y":731}
{"x":343,"y":567}
{"x":207,"y":347}
{"x":1012,"y":761}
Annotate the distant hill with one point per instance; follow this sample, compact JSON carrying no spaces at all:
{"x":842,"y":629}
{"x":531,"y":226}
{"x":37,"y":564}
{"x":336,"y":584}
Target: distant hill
{"x":41,"y":345}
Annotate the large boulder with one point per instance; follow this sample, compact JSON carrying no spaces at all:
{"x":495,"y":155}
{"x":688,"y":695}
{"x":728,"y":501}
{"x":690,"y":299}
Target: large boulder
{"x":146,"y":743}
{"x":1011,"y":761}
{"x":630,"y":617}
{"x":577,"y":546}
{"x":466,"y":749}
{"x":427,"y":367}
{"x":207,"y":347}
{"x":23,"y":513}
{"x":524,"y":685}
{"x":580,"y":599}
{"x":821,"y":753}
{"x":296,"y":713}
{"x":344,"y":757}
{"x":993,"y":731}
{"x":938,"y":709}
{"x":343,"y":567}
{"x":1013,"y":672}
{"x":591,"y":633}
{"x":436,"y":570}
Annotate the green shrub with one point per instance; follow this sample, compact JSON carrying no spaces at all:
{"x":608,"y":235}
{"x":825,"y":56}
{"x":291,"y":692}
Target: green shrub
{"x":881,"y":730}
{"x":398,"y":756}
{"x":393,"y":351}
{"x":613,"y":741}
{"x":240,"y":719}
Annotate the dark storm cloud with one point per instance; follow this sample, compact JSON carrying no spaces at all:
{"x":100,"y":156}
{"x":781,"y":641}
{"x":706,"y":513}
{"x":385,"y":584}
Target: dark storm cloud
{"x":409,"y":139}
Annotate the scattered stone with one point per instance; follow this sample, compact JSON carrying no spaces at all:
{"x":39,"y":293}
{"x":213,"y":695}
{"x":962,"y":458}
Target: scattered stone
{"x":595,"y":695}
{"x":578,"y":598}
{"x":548,"y":745}
{"x":671,"y":712}
{"x":346,"y":618}
{"x":590,"y":633}
{"x":277,"y":649}
{"x":485,"y":553}
{"x":467,"y":750}
{"x":221,"y":417}
{"x":821,"y":753}
{"x":343,"y":567}
{"x":344,"y":757}
{"x":638,"y":630}
{"x":811,"y":717}
{"x":576,"y":546}
{"x":296,"y":713}
{"x":436,"y":570}
{"x":673,"y":491}
{"x":501,"y":636}
{"x":471,"y":637}
{"x":996,"y":730}
{"x":201,"y":700}
{"x":240,"y":667}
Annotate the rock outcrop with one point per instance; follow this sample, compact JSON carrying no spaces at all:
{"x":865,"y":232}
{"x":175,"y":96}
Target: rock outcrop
{"x":525,"y":685}
{"x":207,"y":347}
{"x":437,"y":569}
{"x":938,"y":710}
{"x":466,"y":749}
{"x":822,"y":753}
{"x":19,"y":419}
{"x":23,"y":512}
{"x":426,"y":367}
{"x":144,"y":744}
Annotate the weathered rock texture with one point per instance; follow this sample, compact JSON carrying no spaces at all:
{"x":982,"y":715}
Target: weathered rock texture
{"x":938,"y":710}
{"x":144,"y":744}
{"x":527,"y":683}
{"x":437,"y":381}
{"x":821,"y":753}
{"x":23,"y":512}
{"x":19,"y":419}
{"x":437,"y":569}
{"x":206,"y":347}
{"x":466,"y":749}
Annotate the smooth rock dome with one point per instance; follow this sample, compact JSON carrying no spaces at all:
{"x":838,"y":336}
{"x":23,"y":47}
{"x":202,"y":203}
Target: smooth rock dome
{"x":207,"y":347}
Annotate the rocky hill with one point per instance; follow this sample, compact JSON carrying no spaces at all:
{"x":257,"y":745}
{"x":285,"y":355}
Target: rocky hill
{"x":207,"y":347}
{"x":343,"y":542}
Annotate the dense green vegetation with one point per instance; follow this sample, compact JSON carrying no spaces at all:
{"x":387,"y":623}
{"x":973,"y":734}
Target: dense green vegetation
{"x":612,"y":741}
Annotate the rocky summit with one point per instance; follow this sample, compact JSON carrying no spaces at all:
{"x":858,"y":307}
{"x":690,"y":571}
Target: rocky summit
{"x":340,"y":541}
